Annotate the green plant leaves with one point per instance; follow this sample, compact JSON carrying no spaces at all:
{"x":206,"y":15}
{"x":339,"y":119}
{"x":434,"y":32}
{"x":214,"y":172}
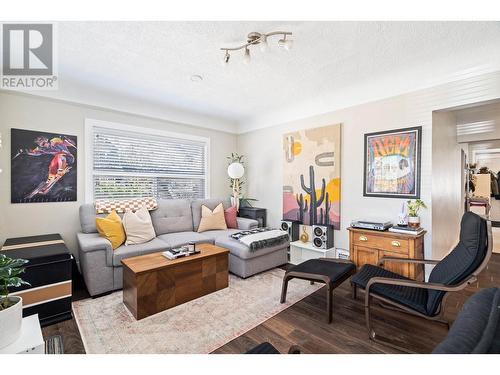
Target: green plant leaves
{"x":10,"y":269}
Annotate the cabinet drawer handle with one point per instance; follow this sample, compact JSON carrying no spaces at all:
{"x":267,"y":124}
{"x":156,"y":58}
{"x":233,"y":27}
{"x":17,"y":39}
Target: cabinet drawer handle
{"x":396,"y":243}
{"x":363,"y":238}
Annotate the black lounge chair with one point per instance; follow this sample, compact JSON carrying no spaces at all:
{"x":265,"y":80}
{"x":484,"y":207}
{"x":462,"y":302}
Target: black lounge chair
{"x":454,"y":272}
{"x":476,"y":329}
{"x":267,"y":348}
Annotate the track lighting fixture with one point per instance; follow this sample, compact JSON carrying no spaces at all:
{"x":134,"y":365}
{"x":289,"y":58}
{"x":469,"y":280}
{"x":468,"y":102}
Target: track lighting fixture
{"x":263,"y":43}
{"x":255,"y":38}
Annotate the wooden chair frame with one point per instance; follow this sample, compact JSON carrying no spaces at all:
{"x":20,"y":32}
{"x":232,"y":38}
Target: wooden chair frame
{"x":439,"y":317}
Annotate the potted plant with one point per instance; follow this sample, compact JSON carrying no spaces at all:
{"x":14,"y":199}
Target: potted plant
{"x":413,"y":207}
{"x":11,"y":308}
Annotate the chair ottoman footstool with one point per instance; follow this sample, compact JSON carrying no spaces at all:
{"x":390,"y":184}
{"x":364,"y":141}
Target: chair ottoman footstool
{"x":331,"y":272}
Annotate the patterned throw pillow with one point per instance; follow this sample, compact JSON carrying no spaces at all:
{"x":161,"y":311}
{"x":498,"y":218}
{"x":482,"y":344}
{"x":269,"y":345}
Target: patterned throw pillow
{"x":212,"y":220}
{"x":104,"y":206}
{"x":111,"y":228}
{"x":138,"y":227}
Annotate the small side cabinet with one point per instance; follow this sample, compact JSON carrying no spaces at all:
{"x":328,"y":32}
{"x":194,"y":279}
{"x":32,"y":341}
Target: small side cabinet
{"x":368,"y":246}
{"x":255,"y":213}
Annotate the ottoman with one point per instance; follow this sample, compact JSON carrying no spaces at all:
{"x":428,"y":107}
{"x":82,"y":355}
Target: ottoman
{"x":332,"y":272}
{"x":245,"y":263}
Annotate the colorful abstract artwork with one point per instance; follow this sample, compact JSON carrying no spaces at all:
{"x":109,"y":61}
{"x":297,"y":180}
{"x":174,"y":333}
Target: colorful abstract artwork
{"x":392,"y":163}
{"x":43,"y":167}
{"x":311,"y":176}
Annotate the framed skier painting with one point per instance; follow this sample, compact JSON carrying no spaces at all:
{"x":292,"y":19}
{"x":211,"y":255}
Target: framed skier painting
{"x":392,"y":163}
{"x":43,"y":167}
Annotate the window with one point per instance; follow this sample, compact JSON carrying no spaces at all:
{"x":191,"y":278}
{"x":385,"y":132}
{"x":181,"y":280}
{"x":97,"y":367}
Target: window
{"x":130,"y":162}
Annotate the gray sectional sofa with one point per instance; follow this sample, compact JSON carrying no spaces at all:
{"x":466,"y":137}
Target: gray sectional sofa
{"x":176,"y":223}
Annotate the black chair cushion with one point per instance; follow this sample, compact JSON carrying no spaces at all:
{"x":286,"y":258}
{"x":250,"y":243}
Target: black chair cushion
{"x":334,"y":270}
{"x":264,"y":348}
{"x":464,"y":259}
{"x":414,"y":298}
{"x":477,"y":327}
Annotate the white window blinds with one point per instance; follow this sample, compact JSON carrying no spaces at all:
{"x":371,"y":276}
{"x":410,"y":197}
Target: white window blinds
{"x":132,"y":165}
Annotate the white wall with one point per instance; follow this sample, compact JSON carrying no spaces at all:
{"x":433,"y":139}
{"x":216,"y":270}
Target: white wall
{"x":479,"y":124}
{"x":35,"y":113}
{"x":491,"y":161}
{"x":447,"y":203}
{"x":263,"y":148}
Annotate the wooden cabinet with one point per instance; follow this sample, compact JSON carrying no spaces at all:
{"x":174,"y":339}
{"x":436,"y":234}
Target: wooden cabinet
{"x":368,"y":246}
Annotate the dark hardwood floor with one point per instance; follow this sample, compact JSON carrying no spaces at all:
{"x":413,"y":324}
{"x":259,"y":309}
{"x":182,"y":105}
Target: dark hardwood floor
{"x":303,"y":324}
{"x":68,"y":329}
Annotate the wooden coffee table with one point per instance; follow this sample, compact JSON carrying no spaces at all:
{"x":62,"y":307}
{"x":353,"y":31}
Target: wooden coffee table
{"x":153,"y":283}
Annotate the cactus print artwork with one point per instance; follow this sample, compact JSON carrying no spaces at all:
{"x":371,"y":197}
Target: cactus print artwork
{"x":311,"y":176}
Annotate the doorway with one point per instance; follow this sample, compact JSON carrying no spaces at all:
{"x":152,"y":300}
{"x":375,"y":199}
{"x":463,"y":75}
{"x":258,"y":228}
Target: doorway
{"x":465,"y":169}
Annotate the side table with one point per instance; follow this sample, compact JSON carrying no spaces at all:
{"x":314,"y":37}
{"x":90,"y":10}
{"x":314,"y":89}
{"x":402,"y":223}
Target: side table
{"x":255,"y":213}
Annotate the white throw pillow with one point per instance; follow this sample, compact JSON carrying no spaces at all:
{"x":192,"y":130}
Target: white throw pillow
{"x":138,"y":226}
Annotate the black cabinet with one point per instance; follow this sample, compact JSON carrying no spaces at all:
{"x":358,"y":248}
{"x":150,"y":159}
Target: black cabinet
{"x":48,"y":271}
{"x":255,"y":213}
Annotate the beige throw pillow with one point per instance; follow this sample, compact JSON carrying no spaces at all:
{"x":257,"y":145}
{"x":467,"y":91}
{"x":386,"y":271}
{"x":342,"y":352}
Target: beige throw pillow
{"x":138,"y":226}
{"x":211,"y":220}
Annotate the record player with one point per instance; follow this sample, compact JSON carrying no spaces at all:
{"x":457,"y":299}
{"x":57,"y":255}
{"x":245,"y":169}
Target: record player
{"x":379,"y":225}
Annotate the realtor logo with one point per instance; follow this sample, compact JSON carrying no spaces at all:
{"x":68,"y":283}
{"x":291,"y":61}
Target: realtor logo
{"x":28,"y":57}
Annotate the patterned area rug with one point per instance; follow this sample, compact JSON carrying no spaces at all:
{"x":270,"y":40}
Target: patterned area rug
{"x":197,"y":327}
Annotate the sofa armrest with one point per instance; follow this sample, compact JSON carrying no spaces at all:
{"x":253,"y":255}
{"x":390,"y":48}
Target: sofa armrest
{"x":245,"y":223}
{"x":89,"y":242}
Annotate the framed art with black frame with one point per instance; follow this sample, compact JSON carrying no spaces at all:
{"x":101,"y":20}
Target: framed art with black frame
{"x":43,"y":167}
{"x":392,"y":163}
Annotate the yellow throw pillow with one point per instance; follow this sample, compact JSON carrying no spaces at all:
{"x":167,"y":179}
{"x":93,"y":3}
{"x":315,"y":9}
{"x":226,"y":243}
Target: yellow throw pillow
{"x":211,"y":220}
{"x":111,"y":228}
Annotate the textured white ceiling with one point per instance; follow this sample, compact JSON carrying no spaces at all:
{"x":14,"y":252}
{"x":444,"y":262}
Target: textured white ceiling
{"x":145,"y":67}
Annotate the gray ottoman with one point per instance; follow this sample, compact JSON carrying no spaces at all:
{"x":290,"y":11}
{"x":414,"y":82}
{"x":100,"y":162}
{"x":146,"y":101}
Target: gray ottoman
{"x":245,"y":263}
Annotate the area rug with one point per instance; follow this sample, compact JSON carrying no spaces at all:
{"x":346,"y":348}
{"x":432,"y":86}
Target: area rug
{"x":54,"y":345}
{"x":196,"y":327}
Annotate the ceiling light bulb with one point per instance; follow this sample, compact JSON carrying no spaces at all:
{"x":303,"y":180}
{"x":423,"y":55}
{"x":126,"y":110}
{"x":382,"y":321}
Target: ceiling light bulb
{"x":225,"y":59}
{"x":246,"y":56}
{"x":196,"y":78}
{"x":285,"y":43}
{"x":263,"y":43}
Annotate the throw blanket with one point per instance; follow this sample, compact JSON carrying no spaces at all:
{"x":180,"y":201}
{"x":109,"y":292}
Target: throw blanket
{"x":260,"y":238}
{"x":104,"y":206}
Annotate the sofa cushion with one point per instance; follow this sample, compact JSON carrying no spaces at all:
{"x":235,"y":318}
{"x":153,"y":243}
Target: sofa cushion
{"x":464,"y":259}
{"x":414,"y":298}
{"x":246,"y":223}
{"x":183,"y":238}
{"x":128,"y":251}
{"x":172,"y":215}
{"x":214,"y":234}
{"x":210,"y":203}
{"x":241,"y":250}
{"x":87,"y":218}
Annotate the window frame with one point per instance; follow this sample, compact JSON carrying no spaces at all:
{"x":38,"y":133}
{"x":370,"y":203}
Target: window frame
{"x":90,"y":124}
